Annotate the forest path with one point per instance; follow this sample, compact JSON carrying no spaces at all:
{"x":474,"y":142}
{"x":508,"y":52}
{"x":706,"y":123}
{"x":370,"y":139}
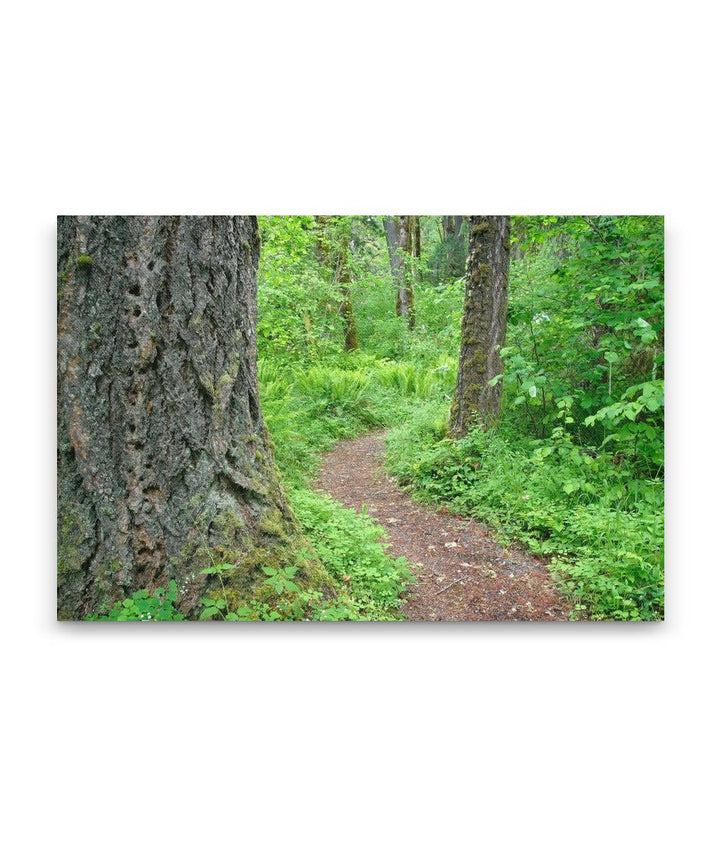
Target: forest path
{"x":463,"y":573}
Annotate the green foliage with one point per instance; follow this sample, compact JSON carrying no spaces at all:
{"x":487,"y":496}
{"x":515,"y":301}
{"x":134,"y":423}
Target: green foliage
{"x":298,"y":316}
{"x":280,"y":580}
{"x":574,"y":471}
{"x":143,"y":606}
{"x":585,"y":327}
{"x":83,"y":262}
{"x":308,"y":409}
{"x":350,"y":547}
{"x":600,"y":525}
{"x":369,"y":581}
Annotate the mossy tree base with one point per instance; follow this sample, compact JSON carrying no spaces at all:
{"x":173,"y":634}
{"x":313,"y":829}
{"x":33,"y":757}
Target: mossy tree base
{"x":164,"y":462}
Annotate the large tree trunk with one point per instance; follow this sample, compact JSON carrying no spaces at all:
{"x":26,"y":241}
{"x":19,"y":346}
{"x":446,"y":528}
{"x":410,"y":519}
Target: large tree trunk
{"x":164,"y":462}
{"x":333,"y":251}
{"x":399,"y":240}
{"x":483,"y":325}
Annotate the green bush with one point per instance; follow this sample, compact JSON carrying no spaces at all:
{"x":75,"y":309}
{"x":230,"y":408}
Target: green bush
{"x":350,"y":547}
{"x":143,"y":606}
{"x":600,"y":526}
{"x":308,"y":409}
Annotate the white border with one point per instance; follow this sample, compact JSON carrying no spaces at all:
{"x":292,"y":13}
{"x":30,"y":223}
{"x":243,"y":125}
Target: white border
{"x":418,"y":739}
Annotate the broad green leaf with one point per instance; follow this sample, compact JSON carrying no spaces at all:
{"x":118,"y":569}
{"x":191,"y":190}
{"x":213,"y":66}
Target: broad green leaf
{"x":209,"y":612}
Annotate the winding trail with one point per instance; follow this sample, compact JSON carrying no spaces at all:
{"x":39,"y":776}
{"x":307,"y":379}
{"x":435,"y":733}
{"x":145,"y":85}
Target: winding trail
{"x":463,"y":573}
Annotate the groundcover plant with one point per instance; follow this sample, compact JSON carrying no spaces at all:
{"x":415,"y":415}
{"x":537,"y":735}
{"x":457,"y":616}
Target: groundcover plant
{"x":383,"y":418}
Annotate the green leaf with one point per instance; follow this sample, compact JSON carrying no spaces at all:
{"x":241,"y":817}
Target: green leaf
{"x":216,"y":569}
{"x":209,"y":612}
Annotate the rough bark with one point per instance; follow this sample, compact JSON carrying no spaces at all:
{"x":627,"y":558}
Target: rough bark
{"x":164,"y":462}
{"x":334,"y":255}
{"x":483,"y":325}
{"x":399,"y":240}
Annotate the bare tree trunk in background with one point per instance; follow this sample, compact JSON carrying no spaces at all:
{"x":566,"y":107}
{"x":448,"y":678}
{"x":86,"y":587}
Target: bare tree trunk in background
{"x":455,"y":245}
{"x":483,"y":325}
{"x":164,"y":461}
{"x":415,"y":237}
{"x":334,"y":254}
{"x":346,"y":306}
{"x":399,"y":240}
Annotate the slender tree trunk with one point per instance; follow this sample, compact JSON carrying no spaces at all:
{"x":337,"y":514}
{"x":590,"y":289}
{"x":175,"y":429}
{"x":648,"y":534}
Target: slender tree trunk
{"x":399,"y":241}
{"x":164,"y":462}
{"x":352,"y":342}
{"x":333,"y":252}
{"x":415,"y":237}
{"x":483,"y":325}
{"x":455,"y":245}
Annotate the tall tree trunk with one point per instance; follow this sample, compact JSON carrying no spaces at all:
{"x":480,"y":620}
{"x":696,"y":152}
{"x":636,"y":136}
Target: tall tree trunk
{"x":483,"y":325}
{"x":164,"y":462}
{"x":333,"y":251}
{"x":455,"y":245}
{"x":352,"y":342}
{"x":415,"y":237}
{"x":398,"y":235}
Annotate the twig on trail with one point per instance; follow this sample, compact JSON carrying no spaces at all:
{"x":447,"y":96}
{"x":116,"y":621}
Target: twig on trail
{"x":440,"y":591}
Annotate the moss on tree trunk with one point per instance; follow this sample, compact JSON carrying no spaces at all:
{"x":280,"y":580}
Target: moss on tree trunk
{"x":333,"y":254}
{"x":483,"y":325}
{"x":164,"y":461}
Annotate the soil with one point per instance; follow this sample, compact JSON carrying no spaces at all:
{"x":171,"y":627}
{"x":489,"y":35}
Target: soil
{"x":463,"y":573}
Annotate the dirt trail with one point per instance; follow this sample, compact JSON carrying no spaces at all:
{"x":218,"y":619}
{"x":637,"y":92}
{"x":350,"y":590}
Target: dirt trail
{"x":463,"y":573}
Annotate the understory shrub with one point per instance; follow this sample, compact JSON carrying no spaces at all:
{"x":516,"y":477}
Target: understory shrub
{"x":601,"y":528}
{"x":307,"y":410}
{"x":350,"y":546}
